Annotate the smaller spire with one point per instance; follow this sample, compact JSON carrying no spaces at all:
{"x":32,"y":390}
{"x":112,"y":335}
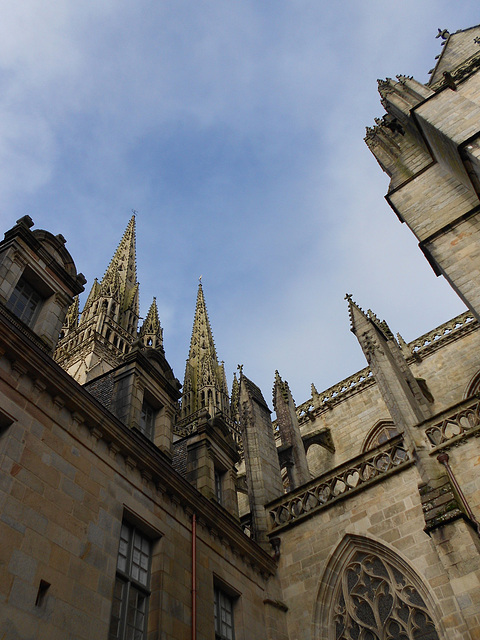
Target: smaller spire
{"x":151,"y":333}
{"x":205,"y":384}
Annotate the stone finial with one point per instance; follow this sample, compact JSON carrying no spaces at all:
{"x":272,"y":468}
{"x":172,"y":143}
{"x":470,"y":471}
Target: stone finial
{"x":26,"y":220}
{"x":443,"y":34}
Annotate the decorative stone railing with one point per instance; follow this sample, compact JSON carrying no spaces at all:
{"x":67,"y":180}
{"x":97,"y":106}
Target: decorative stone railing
{"x":364,"y":378}
{"x":452,"y":427}
{"x":443,"y":331}
{"x":351,"y":477}
{"x":356,"y":381}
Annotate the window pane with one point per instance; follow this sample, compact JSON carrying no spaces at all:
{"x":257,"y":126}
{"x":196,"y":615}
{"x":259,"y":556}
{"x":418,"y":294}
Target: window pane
{"x":129,"y":606}
{"x":123,"y":549}
{"x":147,"y":420}
{"x":137,"y":602}
{"x":223,"y":605}
{"x":140,"y":558}
{"x":24,"y":301}
{"x":118,"y":597}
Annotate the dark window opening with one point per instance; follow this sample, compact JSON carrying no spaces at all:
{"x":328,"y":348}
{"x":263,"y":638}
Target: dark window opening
{"x":42,"y":593}
{"x":25,"y":302}
{"x":147,"y":420}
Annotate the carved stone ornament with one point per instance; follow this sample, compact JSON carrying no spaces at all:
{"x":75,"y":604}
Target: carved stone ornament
{"x":376,"y":601}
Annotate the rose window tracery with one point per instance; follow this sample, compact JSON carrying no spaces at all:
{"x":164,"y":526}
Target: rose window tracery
{"x":374,"y":600}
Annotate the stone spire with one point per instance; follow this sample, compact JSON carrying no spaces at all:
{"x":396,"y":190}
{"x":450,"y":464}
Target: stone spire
{"x":205,"y":385}
{"x":120,"y":279}
{"x":151,"y":333}
{"x":108,"y":323}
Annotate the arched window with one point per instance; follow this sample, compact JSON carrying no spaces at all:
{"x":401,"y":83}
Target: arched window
{"x":473,"y":387}
{"x":382,"y":432}
{"x":370,"y":593}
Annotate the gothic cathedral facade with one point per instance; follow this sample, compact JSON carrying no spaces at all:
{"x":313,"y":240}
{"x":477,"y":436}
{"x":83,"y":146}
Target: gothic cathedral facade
{"x":133,"y":507}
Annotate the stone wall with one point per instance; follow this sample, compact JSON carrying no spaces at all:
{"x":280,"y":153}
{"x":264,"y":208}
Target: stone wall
{"x":69,"y":474}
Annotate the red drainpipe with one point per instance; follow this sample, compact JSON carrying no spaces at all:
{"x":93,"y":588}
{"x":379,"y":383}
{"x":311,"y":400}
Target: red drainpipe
{"x":194,"y":577}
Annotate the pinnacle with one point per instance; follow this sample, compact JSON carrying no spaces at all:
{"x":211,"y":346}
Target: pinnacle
{"x":151,"y":322}
{"x":354,"y":311}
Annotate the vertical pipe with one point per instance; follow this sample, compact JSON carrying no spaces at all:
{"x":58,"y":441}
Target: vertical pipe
{"x":443,"y":458}
{"x":194,"y":577}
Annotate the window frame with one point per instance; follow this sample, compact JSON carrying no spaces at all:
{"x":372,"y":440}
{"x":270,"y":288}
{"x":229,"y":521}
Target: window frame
{"x":129,"y":583}
{"x":25,"y":291}
{"x":218,"y":483}
{"x":220,"y":598}
{"x":148,"y":418}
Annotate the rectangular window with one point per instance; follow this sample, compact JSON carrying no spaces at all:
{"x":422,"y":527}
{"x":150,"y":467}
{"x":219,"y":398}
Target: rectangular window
{"x":24,"y":302}
{"x":223,"y":615}
{"x":147,"y":420}
{"x":128,"y":620}
{"x":218,"y":486}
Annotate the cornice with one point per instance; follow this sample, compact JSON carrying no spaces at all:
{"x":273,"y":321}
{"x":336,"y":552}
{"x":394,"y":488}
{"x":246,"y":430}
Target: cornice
{"x":138,"y":452}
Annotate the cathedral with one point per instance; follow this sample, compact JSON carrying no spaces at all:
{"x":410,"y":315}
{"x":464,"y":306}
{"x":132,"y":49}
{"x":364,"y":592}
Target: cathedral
{"x":135,"y":507}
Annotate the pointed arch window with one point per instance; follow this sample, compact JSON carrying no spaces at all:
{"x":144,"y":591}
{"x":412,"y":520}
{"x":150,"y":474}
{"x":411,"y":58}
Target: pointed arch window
{"x":373,"y":595}
{"x":382,"y":432}
{"x":375,"y":600}
{"x":474,"y":387}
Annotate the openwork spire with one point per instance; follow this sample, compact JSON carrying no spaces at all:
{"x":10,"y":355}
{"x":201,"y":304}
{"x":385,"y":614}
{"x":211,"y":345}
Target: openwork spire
{"x":121,"y":273}
{"x":205,"y":384}
{"x":109,"y":320}
{"x":202,"y":347}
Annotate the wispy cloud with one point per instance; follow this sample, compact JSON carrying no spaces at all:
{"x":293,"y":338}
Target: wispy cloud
{"x":235,"y":129}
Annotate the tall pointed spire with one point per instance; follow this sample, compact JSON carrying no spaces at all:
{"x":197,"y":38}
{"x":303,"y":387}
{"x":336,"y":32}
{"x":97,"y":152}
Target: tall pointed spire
{"x":122,"y":270}
{"x":205,"y":384}
{"x":109,"y":320}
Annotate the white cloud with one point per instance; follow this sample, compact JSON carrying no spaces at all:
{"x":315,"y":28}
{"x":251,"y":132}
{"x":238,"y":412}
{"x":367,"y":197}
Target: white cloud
{"x":235,"y":128}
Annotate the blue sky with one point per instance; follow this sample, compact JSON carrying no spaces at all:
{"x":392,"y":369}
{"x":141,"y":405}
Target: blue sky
{"x":235,"y":129}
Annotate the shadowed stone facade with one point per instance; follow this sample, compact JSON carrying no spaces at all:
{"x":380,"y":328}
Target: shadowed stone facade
{"x":133,"y":508}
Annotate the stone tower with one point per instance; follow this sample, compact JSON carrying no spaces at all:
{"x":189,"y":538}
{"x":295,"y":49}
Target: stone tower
{"x":97,"y":341}
{"x":433,"y":160}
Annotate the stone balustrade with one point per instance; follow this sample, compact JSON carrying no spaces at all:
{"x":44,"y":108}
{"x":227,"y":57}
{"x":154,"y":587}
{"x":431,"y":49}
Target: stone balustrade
{"x":443,"y":331}
{"x":353,"y":476}
{"x":421,"y":346}
{"x":451,"y":426}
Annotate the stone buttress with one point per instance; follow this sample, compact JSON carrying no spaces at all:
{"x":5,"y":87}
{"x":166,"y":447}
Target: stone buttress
{"x":292,"y":449}
{"x":262,"y":467}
